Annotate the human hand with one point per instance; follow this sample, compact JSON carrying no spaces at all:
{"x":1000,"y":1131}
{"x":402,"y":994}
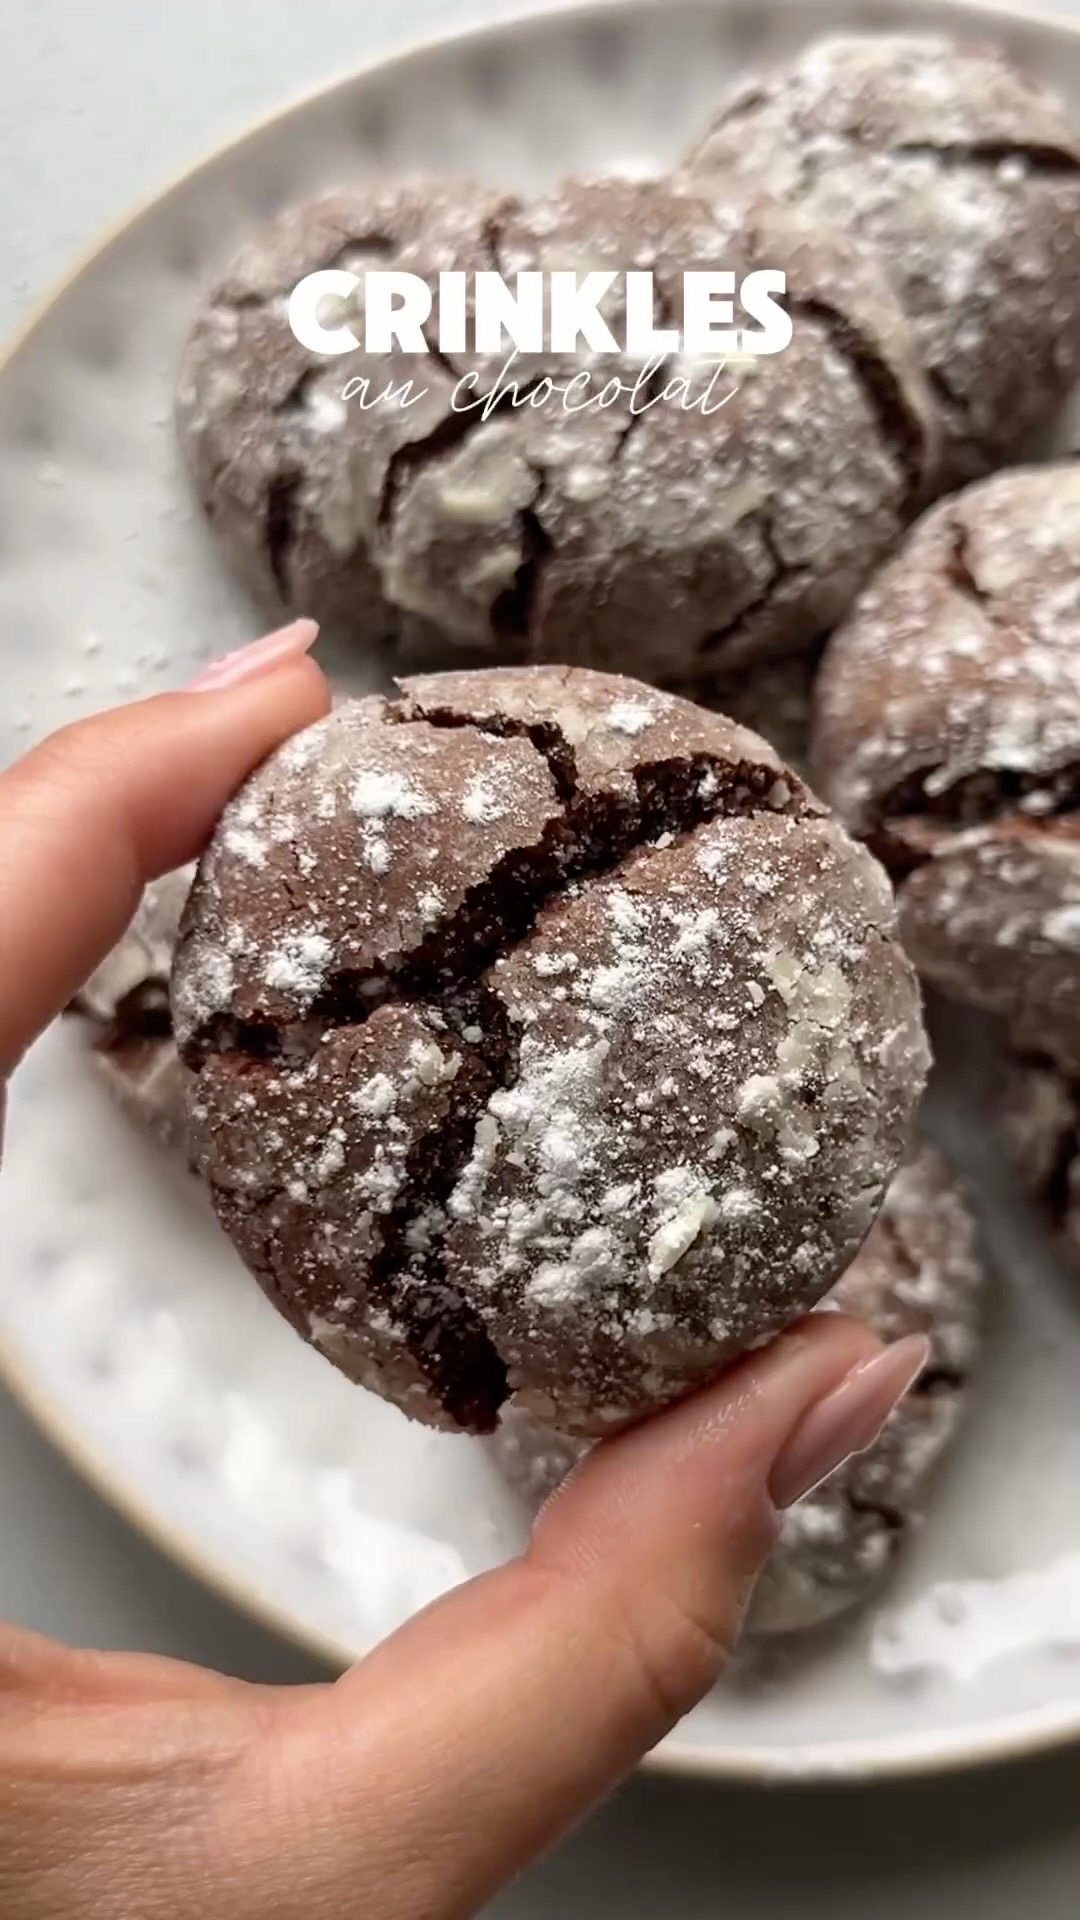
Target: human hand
{"x":143,"y":1789}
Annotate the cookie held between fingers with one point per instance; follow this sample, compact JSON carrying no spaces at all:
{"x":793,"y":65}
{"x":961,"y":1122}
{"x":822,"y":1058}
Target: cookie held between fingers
{"x":548,"y":1042}
{"x":947,"y":734}
{"x":959,"y":175}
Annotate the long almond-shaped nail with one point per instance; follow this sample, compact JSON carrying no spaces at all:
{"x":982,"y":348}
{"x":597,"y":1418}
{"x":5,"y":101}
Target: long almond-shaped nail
{"x":258,"y":657}
{"x":848,"y":1420}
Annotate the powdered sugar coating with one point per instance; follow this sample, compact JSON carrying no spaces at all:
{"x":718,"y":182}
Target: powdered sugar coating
{"x":640,"y":1038}
{"x":963,"y":655}
{"x":677,"y":541}
{"x":269,"y":440}
{"x":947,"y":730}
{"x":961,"y":177}
{"x":384,"y":847}
{"x":919,"y":1272}
{"x":626,"y":1102}
{"x":706,"y":541}
{"x":994,"y":919}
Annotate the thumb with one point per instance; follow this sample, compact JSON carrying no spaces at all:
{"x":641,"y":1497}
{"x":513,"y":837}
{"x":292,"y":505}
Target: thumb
{"x":470,"y":1740}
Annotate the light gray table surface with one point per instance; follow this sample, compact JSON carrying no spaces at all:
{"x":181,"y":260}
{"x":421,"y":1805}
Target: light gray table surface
{"x":98,"y":104}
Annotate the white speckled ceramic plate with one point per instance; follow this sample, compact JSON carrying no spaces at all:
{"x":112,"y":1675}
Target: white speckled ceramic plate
{"x":125,"y":1322}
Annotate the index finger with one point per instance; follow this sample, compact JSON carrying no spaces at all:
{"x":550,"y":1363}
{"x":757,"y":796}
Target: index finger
{"x":97,"y":810}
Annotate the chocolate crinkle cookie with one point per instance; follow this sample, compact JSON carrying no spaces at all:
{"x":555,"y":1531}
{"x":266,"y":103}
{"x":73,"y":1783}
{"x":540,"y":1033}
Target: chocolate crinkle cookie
{"x":947,"y":734}
{"x":127,"y":1000}
{"x":919,"y":1272}
{"x":1039,"y":1111}
{"x":677,"y":541}
{"x":548,"y":1041}
{"x":960,"y":175}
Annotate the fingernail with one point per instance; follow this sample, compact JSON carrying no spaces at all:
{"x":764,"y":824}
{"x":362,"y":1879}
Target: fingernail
{"x":258,"y":657}
{"x":848,"y":1420}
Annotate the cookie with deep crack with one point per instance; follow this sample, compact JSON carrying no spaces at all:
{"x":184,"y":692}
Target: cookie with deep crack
{"x":947,"y":734}
{"x":548,"y":1041}
{"x":650,"y":532}
{"x":919,"y":1272}
{"x":127,"y":1000}
{"x":269,"y":441}
{"x":961,"y":176}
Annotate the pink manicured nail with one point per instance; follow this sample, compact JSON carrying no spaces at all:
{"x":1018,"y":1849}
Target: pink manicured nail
{"x":848,"y":1420}
{"x":258,"y":657}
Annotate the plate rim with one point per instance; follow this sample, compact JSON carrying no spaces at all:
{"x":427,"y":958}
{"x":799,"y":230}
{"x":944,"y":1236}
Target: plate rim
{"x":858,"y":1761}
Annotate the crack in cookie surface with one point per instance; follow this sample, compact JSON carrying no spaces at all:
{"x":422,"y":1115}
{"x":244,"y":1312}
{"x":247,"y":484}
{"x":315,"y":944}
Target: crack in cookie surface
{"x":589,"y":833}
{"x":901,"y":430}
{"x":508,"y":885}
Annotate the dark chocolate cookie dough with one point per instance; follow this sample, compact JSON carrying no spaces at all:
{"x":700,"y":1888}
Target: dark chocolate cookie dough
{"x":947,"y":734}
{"x":960,"y":175}
{"x":673,"y":542}
{"x":918,"y":1272}
{"x":548,"y":1042}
